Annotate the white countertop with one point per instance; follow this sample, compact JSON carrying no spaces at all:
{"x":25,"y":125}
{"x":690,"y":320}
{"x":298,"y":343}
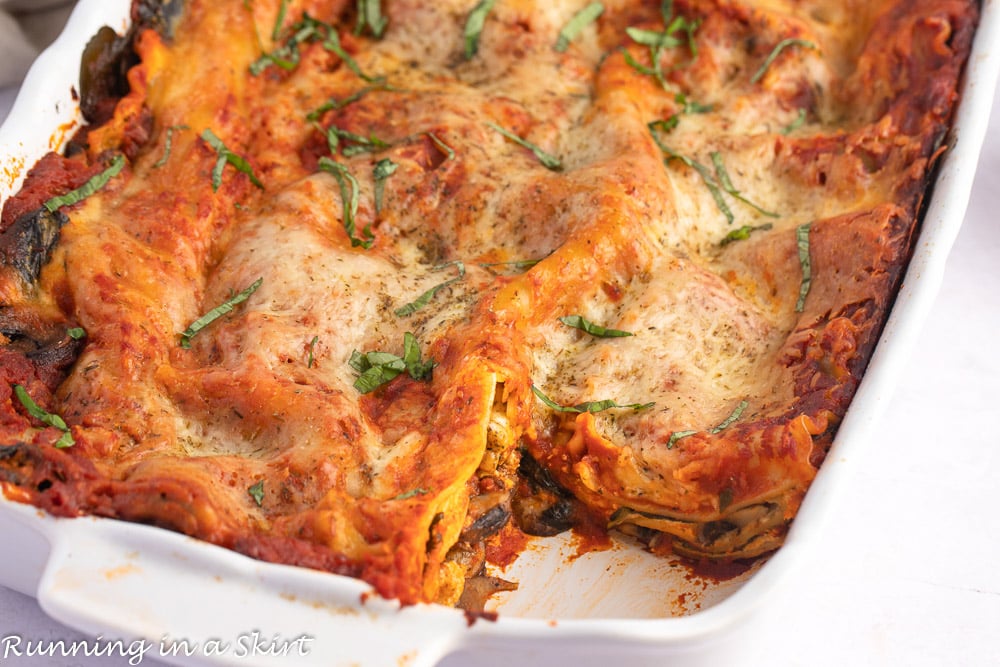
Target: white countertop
{"x":909,"y":569}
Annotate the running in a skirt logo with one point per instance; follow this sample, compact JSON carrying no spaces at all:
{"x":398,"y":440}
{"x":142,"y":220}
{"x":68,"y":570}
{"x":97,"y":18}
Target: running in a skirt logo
{"x":246,"y":645}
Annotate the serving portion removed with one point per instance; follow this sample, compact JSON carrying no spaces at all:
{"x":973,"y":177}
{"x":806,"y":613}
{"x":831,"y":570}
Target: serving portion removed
{"x":384,"y":289}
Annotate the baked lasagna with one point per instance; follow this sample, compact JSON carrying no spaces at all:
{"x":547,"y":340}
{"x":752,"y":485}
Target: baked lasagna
{"x":365,"y":286}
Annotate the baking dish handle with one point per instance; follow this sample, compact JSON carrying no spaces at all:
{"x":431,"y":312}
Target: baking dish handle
{"x":124,"y":584}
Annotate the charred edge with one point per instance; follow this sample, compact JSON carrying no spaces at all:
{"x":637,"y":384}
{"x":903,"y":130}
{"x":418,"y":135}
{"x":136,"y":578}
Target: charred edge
{"x":26,"y":245}
{"x":541,"y":507}
{"x":109,"y":56}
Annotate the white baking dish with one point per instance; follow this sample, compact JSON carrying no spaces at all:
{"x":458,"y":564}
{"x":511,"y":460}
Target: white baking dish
{"x":136,"y":582}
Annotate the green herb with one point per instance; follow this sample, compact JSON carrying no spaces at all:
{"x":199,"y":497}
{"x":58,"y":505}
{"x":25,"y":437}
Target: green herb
{"x":47,"y":418}
{"x":687,"y":107}
{"x":257,"y":493}
{"x":658,"y":41}
{"x":168,"y":143}
{"x":805,"y":261}
{"x":743,"y":233}
{"x":312,"y":346}
{"x":411,"y":494}
{"x":279,"y":20}
{"x":304,"y":31}
{"x":724,"y":424}
{"x":443,"y":146}
{"x":781,"y":46}
{"x":474,"y":26}
{"x":517,"y":264}
{"x":425,"y":298}
{"x":93,"y":184}
{"x":356,"y":142}
{"x":226,"y":156}
{"x":727,"y":185}
{"x":349,"y":197}
{"x":795,"y":124}
{"x":333,"y":103}
{"x":716,"y":182}
{"x":384,"y":168}
{"x":548,"y":160}
{"x":217,"y":312}
{"x":370,"y":15}
{"x":690,"y":106}
{"x":579,"y":322}
{"x":588,"y":406}
{"x":577,"y":23}
{"x":377,"y":368}
{"x":76,"y":333}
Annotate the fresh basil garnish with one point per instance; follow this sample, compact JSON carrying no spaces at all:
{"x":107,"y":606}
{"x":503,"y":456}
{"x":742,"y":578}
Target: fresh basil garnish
{"x":349,"y":197}
{"x":226,"y":156}
{"x":577,"y":23}
{"x":93,"y":184}
{"x":581,"y":323}
{"x":426,"y":297}
{"x":805,"y":261}
{"x":378,"y":368}
{"x":474,"y":26}
{"x":724,"y":424}
{"x":588,"y":406}
{"x":47,"y":418}
{"x":781,"y":46}
{"x":217,"y":312}
{"x":548,"y":160}
{"x":257,"y":493}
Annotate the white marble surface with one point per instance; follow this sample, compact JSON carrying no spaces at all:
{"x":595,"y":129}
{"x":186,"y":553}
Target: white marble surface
{"x":909,"y":571}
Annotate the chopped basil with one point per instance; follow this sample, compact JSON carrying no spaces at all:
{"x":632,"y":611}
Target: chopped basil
{"x":279,"y":20}
{"x":715,"y":183}
{"x":474,"y":26}
{"x":588,"y":406}
{"x":312,"y":347}
{"x":425,"y":298}
{"x":727,"y":185}
{"x":795,"y":124}
{"x":257,"y":493}
{"x":724,"y":424}
{"x":377,"y":368}
{"x":306,"y":30}
{"x":349,"y":196}
{"x":334,"y":103}
{"x":516,"y":264}
{"x":743,"y":233}
{"x":168,"y":143}
{"x":384,"y":168}
{"x":579,"y":322}
{"x":217,"y":312}
{"x":443,"y":146}
{"x":356,"y":143}
{"x":411,"y":493}
{"x":226,"y":156}
{"x":47,"y":418}
{"x":93,"y":184}
{"x":805,"y":261}
{"x":658,"y":41}
{"x":548,"y":160}
{"x":781,"y":46}
{"x":370,"y":16}
{"x":690,"y":106}
{"x":577,"y":23}
{"x":76,"y":333}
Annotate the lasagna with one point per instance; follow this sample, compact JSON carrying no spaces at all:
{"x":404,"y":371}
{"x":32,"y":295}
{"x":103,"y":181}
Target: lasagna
{"x":367,"y":286}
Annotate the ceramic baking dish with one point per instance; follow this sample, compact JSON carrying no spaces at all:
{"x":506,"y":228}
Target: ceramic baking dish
{"x":193,"y":603}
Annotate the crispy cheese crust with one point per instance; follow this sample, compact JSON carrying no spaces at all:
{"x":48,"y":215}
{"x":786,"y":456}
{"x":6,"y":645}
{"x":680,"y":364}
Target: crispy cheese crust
{"x":739,"y":194}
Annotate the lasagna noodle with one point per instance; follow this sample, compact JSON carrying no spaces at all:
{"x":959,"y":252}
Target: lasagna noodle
{"x":825,"y":117}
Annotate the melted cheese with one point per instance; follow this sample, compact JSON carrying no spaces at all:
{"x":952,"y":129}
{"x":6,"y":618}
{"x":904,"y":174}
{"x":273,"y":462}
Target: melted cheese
{"x":746,"y":389}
